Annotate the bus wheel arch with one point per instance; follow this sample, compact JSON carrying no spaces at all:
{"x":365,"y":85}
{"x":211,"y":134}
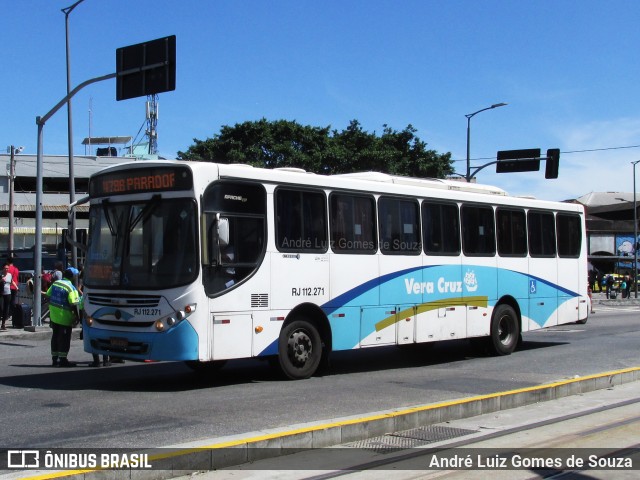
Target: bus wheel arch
{"x":505,"y":332}
{"x":304,"y":342}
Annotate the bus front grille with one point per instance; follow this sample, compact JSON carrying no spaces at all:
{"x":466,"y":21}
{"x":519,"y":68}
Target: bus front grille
{"x":133,"y":301}
{"x":120,"y":323}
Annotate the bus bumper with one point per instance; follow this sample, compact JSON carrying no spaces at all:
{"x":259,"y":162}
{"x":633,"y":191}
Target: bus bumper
{"x":178,"y":343}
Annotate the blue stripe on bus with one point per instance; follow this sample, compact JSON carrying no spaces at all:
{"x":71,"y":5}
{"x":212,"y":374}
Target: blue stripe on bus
{"x":420,"y":286}
{"x":348,"y":297}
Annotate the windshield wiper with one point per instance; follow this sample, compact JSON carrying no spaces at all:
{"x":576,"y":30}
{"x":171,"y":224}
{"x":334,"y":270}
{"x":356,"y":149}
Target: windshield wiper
{"x":146,"y":212}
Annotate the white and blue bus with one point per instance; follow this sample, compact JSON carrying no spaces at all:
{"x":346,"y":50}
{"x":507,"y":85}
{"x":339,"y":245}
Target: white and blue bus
{"x":203,"y":262}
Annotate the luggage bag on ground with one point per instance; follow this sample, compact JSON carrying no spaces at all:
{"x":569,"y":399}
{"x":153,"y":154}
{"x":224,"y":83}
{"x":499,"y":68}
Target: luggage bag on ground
{"x":21,"y":315}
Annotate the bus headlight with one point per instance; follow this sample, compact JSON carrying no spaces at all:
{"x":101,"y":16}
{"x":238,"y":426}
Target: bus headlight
{"x":89,"y":320}
{"x":159,"y":325}
{"x":172,"y":321}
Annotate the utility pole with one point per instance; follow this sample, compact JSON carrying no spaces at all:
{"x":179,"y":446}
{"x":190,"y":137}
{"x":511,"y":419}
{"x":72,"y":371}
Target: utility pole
{"x":12,"y":176}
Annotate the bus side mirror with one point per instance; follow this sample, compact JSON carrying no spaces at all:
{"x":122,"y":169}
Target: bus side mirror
{"x":222,"y":226}
{"x":219,"y":238}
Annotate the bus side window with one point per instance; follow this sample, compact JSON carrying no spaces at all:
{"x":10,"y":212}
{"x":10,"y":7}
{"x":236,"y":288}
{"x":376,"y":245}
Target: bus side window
{"x":478,"y":231}
{"x":353,"y":223}
{"x":542,"y":234}
{"x":441,"y":228}
{"x":300,"y":221}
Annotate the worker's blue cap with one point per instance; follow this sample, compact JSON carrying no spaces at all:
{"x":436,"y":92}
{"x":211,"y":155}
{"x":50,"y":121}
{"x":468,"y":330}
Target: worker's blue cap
{"x":73,"y":270}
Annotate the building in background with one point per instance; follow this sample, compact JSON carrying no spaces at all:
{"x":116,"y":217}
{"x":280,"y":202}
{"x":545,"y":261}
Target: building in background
{"x":55,"y":198}
{"x":610,"y":231}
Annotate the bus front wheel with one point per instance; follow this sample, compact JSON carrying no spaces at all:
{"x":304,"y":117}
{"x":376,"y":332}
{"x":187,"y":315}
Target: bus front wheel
{"x":299,"y":349}
{"x":505,"y":330}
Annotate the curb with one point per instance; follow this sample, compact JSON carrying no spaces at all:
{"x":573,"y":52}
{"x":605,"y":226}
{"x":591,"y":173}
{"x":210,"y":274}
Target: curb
{"x":233,"y":451}
{"x":34,"y":333}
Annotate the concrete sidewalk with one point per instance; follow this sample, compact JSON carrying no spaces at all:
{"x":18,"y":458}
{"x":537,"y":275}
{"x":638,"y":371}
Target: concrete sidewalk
{"x":32,"y":333}
{"x":600,"y":298}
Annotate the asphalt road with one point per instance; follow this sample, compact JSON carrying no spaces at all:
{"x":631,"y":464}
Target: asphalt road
{"x":160,"y":404}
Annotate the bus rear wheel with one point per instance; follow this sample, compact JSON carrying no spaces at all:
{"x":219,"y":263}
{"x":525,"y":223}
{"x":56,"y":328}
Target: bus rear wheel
{"x":505,"y":330}
{"x":299,"y":349}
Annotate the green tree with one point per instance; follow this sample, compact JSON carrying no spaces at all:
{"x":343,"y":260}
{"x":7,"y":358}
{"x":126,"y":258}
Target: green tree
{"x":283,"y":143}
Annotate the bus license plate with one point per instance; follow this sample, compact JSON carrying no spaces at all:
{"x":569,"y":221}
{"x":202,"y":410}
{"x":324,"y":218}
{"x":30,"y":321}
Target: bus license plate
{"x":119,"y":342}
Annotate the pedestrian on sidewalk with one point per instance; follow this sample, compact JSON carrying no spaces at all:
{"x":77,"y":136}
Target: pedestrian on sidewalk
{"x":63,"y":311}
{"x":627,"y":280}
{"x":6,"y":282}
{"x":15,"y":273}
{"x":609,"y":285}
{"x":593,"y":279}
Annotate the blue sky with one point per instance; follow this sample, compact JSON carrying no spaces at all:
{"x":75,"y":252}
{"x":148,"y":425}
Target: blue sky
{"x":568,"y":70}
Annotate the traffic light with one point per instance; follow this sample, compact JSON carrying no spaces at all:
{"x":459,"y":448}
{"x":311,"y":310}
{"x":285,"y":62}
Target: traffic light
{"x":553,"y":163}
{"x":527,"y":160}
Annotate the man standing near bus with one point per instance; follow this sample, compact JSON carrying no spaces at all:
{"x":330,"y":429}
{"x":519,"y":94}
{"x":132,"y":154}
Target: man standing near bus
{"x":63,"y":311}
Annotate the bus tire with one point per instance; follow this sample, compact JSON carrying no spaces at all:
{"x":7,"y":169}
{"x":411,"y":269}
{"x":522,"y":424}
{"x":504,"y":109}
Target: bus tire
{"x":505,"y":330}
{"x":299,"y":349}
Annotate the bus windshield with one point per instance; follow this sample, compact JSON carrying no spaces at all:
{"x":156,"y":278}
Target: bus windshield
{"x":149,"y":244}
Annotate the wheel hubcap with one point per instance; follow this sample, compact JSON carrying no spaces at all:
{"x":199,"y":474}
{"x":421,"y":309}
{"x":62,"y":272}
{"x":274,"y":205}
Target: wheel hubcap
{"x":504,"y":330}
{"x":300,"y":347}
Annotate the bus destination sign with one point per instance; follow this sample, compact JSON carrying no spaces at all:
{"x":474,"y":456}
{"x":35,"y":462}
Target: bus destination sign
{"x":140,"y":180}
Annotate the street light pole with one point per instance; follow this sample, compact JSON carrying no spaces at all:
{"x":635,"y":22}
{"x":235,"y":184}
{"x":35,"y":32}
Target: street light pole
{"x":12,"y":176}
{"x":12,"y":170}
{"x":72,"y":186}
{"x":635,"y":232}
{"x":469,"y":116}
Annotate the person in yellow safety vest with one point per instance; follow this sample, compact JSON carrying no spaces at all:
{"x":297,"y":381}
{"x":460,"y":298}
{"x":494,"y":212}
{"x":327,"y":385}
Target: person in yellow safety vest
{"x":63,"y":311}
